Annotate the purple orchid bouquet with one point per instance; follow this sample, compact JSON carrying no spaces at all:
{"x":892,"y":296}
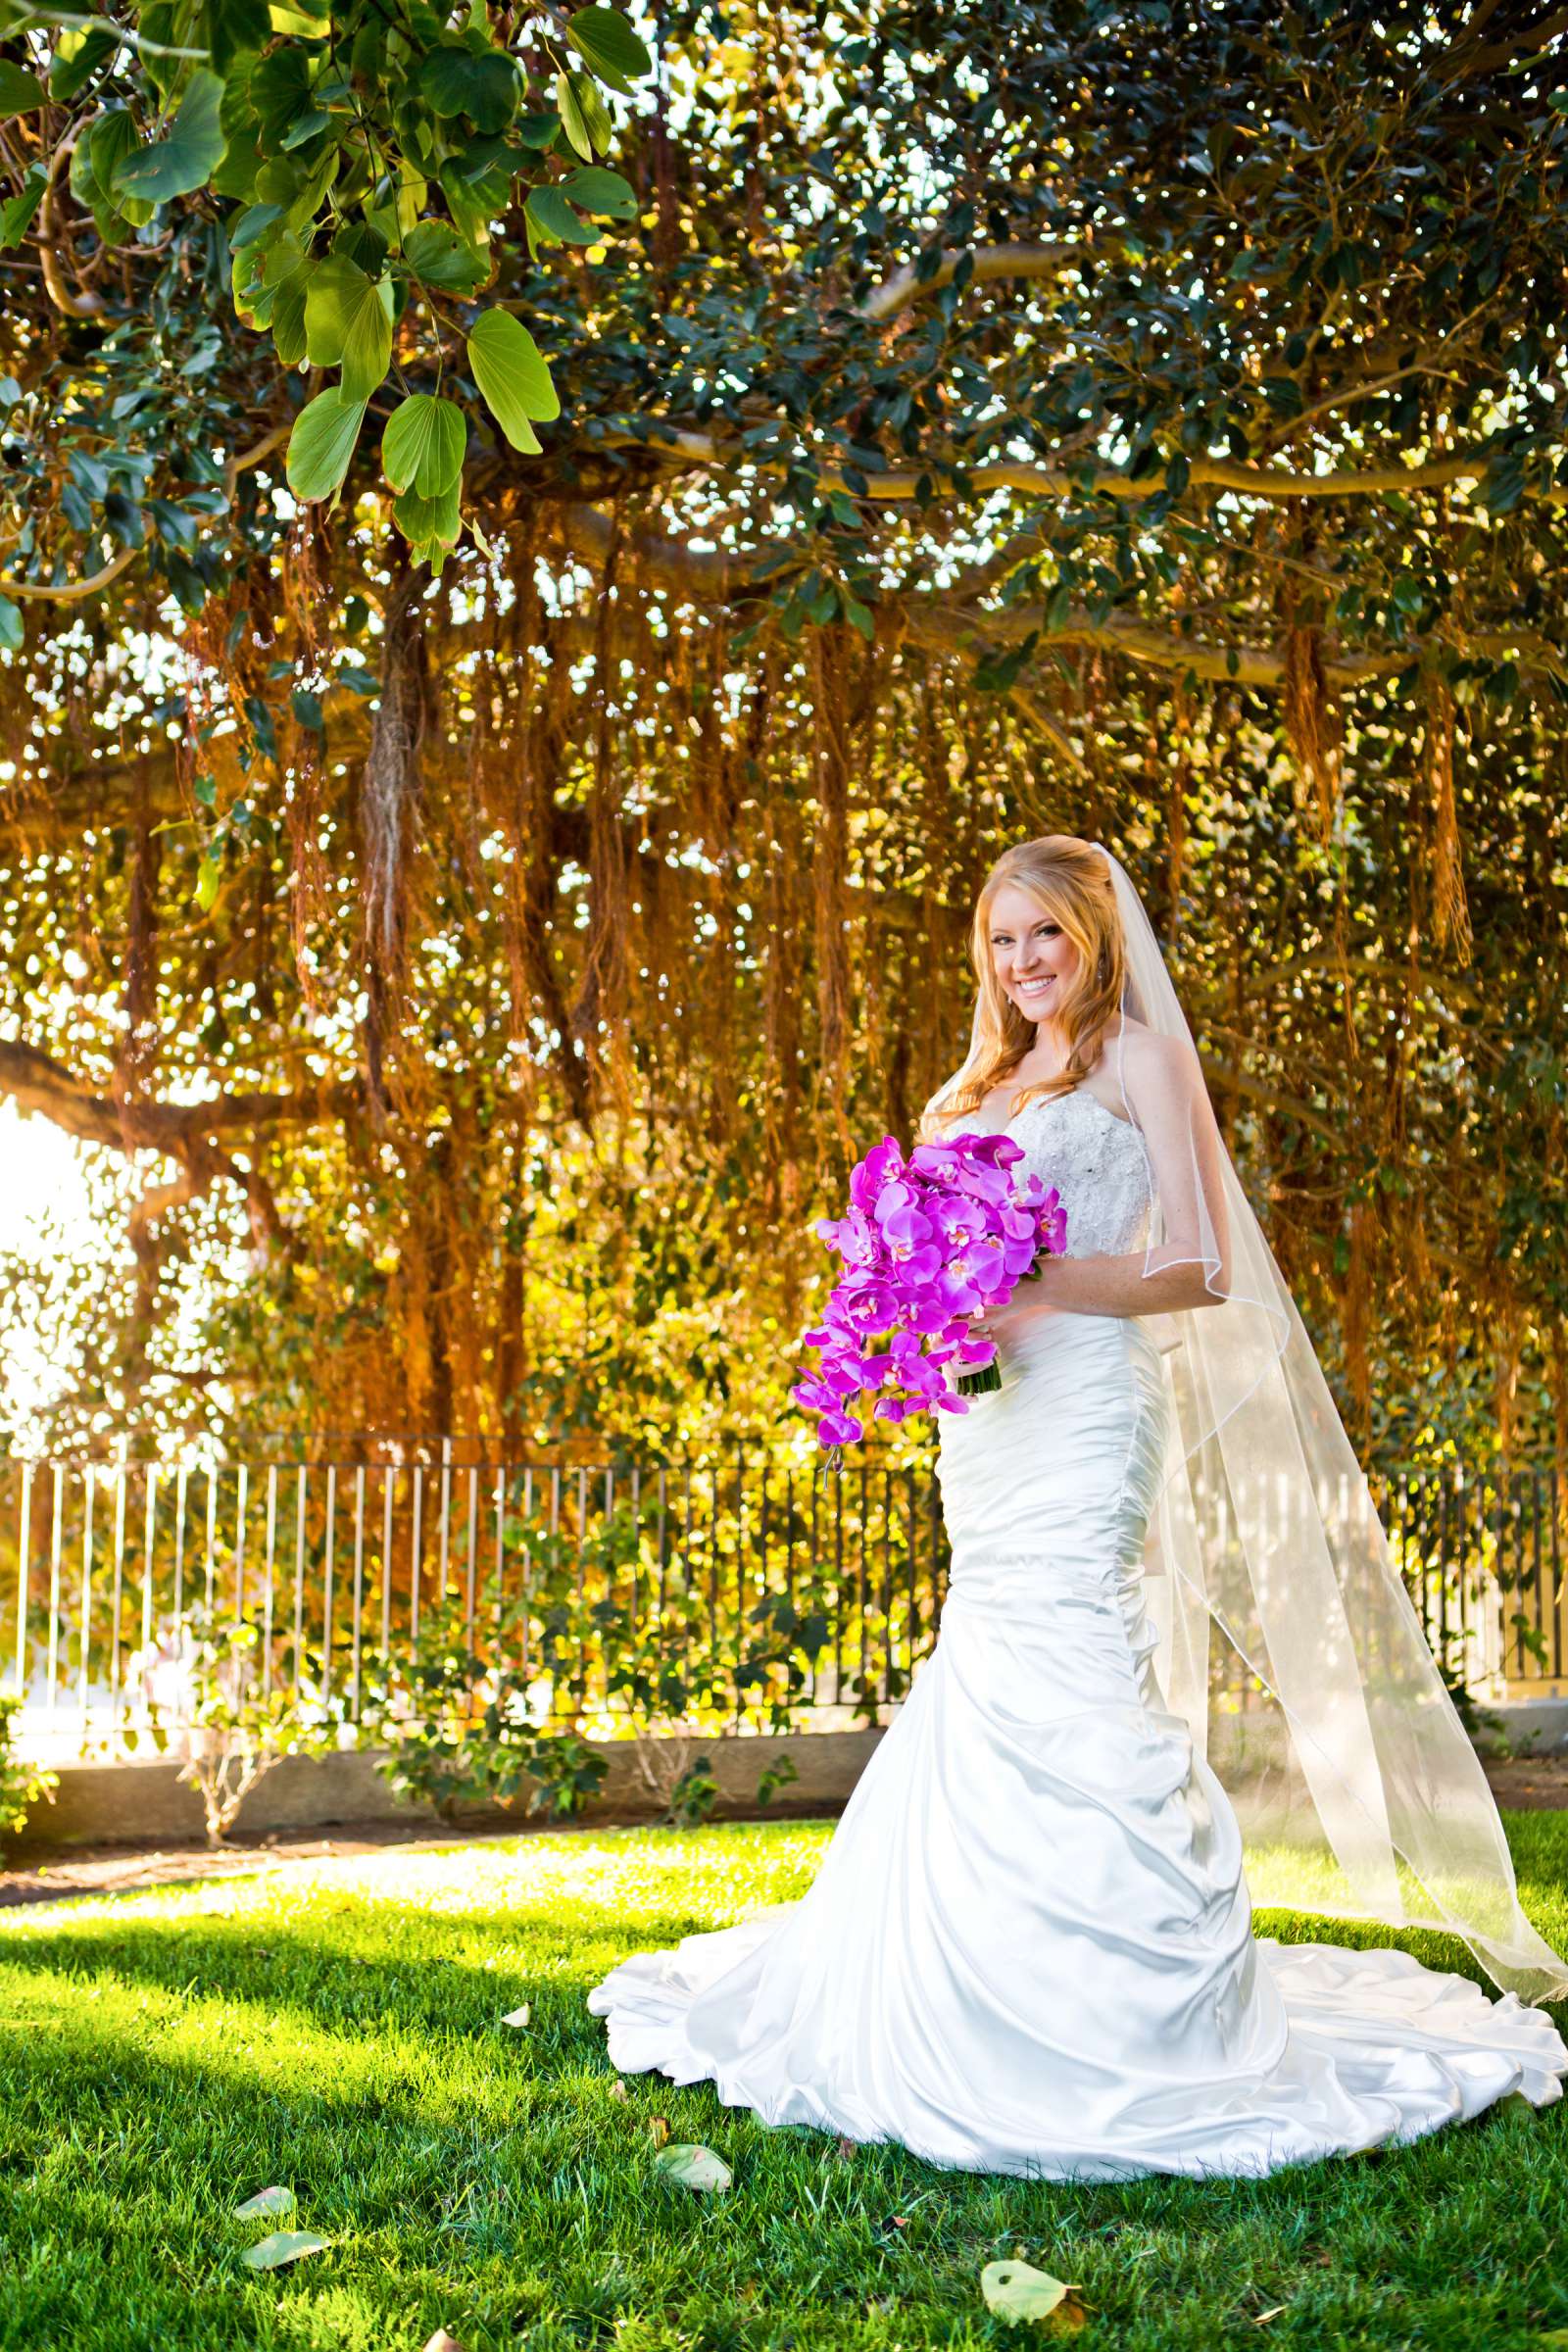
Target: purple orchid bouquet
{"x":930,"y":1241}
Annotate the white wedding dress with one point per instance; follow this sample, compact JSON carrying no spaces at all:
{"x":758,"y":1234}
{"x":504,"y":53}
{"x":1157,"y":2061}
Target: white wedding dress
{"x":1029,"y":1946}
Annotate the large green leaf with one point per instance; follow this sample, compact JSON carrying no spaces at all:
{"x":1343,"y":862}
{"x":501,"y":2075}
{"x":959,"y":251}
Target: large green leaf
{"x":284,"y":2245}
{"x":323,"y":442}
{"x":422,"y":446}
{"x":186,"y":157}
{"x":266,"y":2200}
{"x":20,"y":91}
{"x":95,"y":161}
{"x":348,"y":322}
{"x":17,"y":213}
{"x":430,"y":525}
{"x":549,"y":212}
{"x":79,"y":54}
{"x":571,"y":115}
{"x":513,"y":378}
{"x":480,"y":85}
{"x":437,"y":255}
{"x":288,"y":319}
{"x":280,"y":91}
{"x":594,"y":112}
{"x":600,"y":191}
{"x":605,"y":42}
{"x":236,"y":26}
{"x":692,"y":2165}
{"x":1016,"y":2292}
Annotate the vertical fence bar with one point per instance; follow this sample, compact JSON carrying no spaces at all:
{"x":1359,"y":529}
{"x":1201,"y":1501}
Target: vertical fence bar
{"x":24,"y":1558}
{"x":242,"y":1489}
{"x":501,"y":1560}
{"x":815,"y":1569}
{"x":1553,"y":1524}
{"x":118,"y":1590}
{"x":415,"y":1546}
{"x":56,"y":1541}
{"x":88,"y":1486}
{"x":149,"y":1556}
{"x":328,"y":1548}
{"x":473,"y":1556}
{"x":270,"y":1578}
{"x":210,"y":1554}
{"x":713,"y":1508}
{"x":607,"y":1597}
{"x":636,"y":1552}
{"x":581,"y":1670}
{"x":525,"y":1646}
{"x":355,"y":1635}
{"x":445,"y":1539}
{"x":912,"y":1581}
{"x":389,"y":1481}
{"x":181,"y":1484}
{"x":885,"y":1689}
{"x":789,"y":1543}
{"x":301,"y":1505}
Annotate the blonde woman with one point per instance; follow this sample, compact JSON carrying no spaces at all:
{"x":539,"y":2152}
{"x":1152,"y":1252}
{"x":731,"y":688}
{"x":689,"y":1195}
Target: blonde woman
{"x":1029,"y":1948}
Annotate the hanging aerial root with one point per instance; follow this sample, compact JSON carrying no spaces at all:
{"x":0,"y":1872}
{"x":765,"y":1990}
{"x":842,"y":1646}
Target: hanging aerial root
{"x":1311,"y":722}
{"x":1450,"y":906}
{"x":390,"y":787}
{"x":830,"y":874}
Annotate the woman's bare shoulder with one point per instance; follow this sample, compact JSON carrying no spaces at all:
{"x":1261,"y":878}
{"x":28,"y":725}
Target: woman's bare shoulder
{"x":1151,"y":1059}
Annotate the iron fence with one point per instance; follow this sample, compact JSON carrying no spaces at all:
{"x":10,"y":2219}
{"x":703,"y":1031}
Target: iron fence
{"x":740,"y":1590}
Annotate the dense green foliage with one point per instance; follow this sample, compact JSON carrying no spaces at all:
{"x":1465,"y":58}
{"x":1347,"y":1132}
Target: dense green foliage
{"x":350,"y":160}
{"x":1135,"y":422}
{"x":336,"y":2029}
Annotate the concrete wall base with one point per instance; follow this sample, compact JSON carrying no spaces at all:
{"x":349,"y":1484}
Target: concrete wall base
{"x":143,"y":1802}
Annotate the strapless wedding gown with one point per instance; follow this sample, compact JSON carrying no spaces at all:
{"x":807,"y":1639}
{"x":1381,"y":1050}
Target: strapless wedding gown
{"x":1029,"y":1947}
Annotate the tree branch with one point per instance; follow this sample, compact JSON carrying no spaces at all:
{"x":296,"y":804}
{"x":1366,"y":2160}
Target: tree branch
{"x":37,"y":1082}
{"x":70,"y":592}
{"x":900,"y":485}
{"x":990,"y":263}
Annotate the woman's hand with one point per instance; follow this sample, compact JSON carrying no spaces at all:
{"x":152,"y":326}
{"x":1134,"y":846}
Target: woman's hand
{"x":1029,"y":1301}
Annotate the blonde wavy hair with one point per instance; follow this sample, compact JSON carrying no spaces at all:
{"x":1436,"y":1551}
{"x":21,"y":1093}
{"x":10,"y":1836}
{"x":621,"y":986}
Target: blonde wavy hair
{"x":1071,"y":881}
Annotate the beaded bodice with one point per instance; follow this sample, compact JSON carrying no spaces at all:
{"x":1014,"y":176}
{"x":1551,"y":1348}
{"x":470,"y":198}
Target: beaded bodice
{"x":1095,"y":1162}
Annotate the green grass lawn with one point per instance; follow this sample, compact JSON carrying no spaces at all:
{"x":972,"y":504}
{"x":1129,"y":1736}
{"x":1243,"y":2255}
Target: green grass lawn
{"x":335,"y":2027}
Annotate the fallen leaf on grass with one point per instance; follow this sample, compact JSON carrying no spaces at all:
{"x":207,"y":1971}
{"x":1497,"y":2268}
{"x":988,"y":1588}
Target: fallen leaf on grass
{"x":694,"y":2168}
{"x":442,"y":2342}
{"x":516,"y":2017}
{"x":1261,"y":2319}
{"x":619,"y":2090}
{"x":266,"y":2200}
{"x":285,"y":2245}
{"x":658,"y":2130}
{"x":846,"y":2149}
{"x":1016,"y":2293}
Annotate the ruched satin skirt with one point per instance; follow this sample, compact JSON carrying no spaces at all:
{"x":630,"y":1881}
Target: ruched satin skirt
{"x":1029,"y":1946}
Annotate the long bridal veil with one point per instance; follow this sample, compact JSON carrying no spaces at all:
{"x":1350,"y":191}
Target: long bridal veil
{"x":1322,"y":1710}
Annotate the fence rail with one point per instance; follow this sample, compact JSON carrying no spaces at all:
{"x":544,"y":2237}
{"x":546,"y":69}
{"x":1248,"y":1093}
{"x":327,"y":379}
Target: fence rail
{"x":743,"y":1584}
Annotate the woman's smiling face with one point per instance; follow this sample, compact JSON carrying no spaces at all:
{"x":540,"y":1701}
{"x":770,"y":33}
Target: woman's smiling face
{"x":1032,"y":957}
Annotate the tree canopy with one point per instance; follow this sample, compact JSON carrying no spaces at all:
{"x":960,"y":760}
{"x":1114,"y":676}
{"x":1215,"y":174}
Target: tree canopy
{"x":499,"y":907}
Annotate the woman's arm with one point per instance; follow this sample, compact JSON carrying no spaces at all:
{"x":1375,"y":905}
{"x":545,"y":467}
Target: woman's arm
{"x":1188,"y":1268}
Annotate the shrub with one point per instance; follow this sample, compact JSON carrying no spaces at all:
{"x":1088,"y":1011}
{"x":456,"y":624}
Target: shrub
{"x":22,"y":1785}
{"x":237,"y":1720}
{"x":461,"y":1732}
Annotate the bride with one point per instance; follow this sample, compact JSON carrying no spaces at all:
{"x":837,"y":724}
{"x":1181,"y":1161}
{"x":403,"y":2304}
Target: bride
{"x":1029,"y":1947}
